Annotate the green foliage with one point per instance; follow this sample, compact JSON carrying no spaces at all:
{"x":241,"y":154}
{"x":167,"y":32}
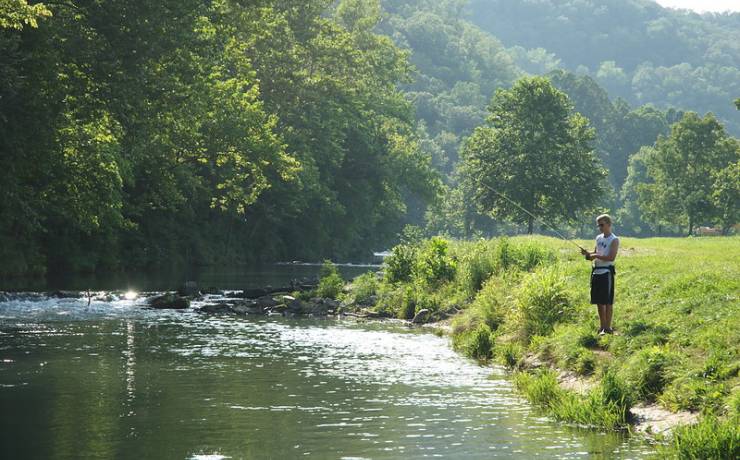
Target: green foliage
{"x":710,"y":438}
{"x":226,"y":133}
{"x":14,"y":14}
{"x":509,"y":354}
{"x":504,"y":157}
{"x":330,"y":281}
{"x":605,"y":406}
{"x":648,"y":371}
{"x":680,"y":172}
{"x":475,"y":343}
{"x":399,"y":266}
{"x":479,"y":260}
{"x":543,"y":301}
{"x":726,"y":195}
{"x":638,"y":51}
{"x":694,"y":394}
{"x":364,"y":287}
{"x":433,"y":264}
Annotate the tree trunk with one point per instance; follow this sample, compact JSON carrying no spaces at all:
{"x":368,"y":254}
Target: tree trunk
{"x":691,"y":225}
{"x":530,"y":225}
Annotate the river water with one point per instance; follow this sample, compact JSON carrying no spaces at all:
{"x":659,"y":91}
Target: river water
{"x":114,"y":380}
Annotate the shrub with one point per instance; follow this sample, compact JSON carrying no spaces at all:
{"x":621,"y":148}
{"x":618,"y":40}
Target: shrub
{"x":364,"y":287}
{"x":710,"y":438}
{"x":543,"y":301}
{"x":475,"y":266}
{"x":689,"y":393}
{"x":330,"y":283}
{"x":733,"y":403}
{"x":540,"y":389}
{"x":647,"y":371}
{"x":433,"y":264}
{"x":399,"y":266}
{"x":509,"y":354}
{"x":605,"y":406}
{"x":475,"y":343}
{"x":615,"y":391}
{"x":521,"y":256}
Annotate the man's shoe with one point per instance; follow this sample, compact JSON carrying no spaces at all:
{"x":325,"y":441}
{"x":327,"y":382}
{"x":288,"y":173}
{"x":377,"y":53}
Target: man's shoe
{"x":602,"y":331}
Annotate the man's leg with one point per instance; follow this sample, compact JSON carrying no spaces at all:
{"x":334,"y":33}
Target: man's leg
{"x":608,"y":310}
{"x":602,"y":316}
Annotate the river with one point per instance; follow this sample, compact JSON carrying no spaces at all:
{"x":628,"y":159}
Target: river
{"x":114,"y":380}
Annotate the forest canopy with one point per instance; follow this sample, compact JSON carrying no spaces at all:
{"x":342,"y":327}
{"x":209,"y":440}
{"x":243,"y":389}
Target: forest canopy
{"x":134,"y":134}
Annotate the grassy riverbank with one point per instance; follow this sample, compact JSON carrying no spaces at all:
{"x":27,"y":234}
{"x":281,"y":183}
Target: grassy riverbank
{"x":523,"y":302}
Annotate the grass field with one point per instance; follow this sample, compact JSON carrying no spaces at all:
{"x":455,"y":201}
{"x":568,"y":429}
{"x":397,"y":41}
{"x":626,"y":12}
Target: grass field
{"x":525,"y":299}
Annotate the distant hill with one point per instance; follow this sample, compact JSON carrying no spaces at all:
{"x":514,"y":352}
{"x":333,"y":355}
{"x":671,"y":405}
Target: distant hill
{"x":637,"y":49}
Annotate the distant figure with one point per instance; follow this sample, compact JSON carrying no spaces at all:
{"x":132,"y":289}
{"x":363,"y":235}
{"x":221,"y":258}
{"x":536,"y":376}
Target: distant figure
{"x":602,"y":273}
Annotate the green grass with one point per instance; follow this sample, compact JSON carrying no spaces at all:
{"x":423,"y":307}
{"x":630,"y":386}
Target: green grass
{"x":605,"y":406}
{"x":677,"y":317}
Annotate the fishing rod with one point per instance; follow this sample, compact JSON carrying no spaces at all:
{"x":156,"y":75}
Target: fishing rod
{"x":562,"y":237}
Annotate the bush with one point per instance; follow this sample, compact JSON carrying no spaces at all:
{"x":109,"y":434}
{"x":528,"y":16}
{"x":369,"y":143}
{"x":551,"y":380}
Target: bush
{"x":509,"y":354}
{"x":475,"y":265}
{"x":476,"y":343}
{"x":689,"y":393}
{"x":521,"y":256}
{"x":647,"y":371}
{"x":399,"y":266}
{"x":364,"y":287}
{"x":605,"y":406}
{"x":330,"y":283}
{"x":710,"y":438}
{"x":540,"y":389}
{"x":733,"y":403}
{"x":543,"y":301}
{"x":433,"y":264}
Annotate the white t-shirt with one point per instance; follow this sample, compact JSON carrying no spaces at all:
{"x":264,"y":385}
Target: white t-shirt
{"x":603,"y":246}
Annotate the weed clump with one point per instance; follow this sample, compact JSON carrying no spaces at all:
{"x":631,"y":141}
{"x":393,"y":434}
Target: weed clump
{"x":330,"y":282}
{"x":606,"y":406}
{"x":476,"y":343}
{"x":647,"y":371}
{"x":364,"y":288}
{"x":433,"y":263}
{"x":543,"y":301}
{"x":399,"y":266}
{"x":710,"y":438}
{"x":509,"y":354}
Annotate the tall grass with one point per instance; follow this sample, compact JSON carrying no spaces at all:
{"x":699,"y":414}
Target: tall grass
{"x":543,"y":301}
{"x":711,"y":438}
{"x":605,"y":406}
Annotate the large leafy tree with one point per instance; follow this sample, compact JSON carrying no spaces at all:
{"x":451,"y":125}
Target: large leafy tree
{"x":681,"y":171}
{"x":726,"y":196}
{"x":535,"y":151}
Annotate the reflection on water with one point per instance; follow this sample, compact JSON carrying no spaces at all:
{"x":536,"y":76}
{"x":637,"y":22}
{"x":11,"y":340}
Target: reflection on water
{"x":133,"y":383}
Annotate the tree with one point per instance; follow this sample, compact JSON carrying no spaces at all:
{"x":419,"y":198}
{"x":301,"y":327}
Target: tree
{"x":537,"y":152}
{"x":681,"y":170}
{"x":14,"y":14}
{"x":726,"y":196}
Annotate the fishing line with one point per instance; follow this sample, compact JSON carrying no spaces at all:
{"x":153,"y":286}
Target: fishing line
{"x":532,"y":215}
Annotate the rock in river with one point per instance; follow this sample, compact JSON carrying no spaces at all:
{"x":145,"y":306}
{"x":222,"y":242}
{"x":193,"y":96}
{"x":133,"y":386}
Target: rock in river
{"x":248,"y":307}
{"x":190,"y":288}
{"x":421,"y":316}
{"x":215,"y":308}
{"x":169,"y":300}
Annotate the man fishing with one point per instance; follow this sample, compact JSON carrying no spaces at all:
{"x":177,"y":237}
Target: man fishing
{"x":602,"y":272}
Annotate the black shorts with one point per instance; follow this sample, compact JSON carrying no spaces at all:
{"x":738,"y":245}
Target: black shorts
{"x":602,"y":288}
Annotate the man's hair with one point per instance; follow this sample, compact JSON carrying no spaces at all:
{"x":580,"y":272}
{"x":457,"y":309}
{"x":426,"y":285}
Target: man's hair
{"x":605,"y":218}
